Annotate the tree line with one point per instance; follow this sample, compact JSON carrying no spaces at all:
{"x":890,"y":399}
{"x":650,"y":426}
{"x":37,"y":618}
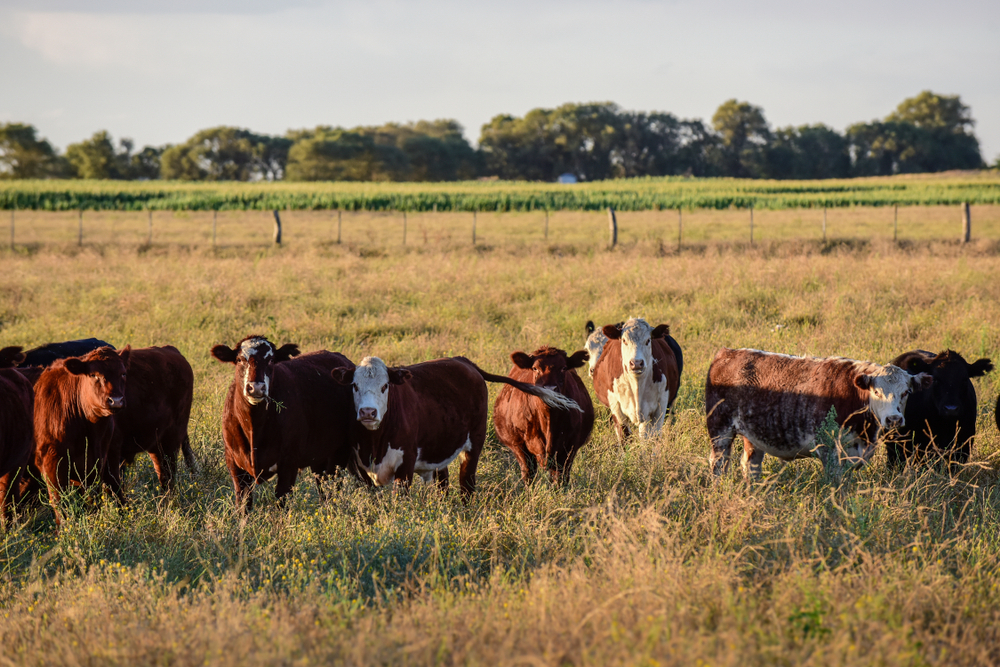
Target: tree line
{"x":596,"y":141}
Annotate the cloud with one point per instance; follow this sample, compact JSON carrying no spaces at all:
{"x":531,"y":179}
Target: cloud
{"x":69,"y":39}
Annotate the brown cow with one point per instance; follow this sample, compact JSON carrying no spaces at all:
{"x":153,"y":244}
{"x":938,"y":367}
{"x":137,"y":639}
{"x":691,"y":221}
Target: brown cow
{"x":537,"y":434}
{"x":417,"y":419}
{"x":638,"y":376}
{"x":16,"y":439}
{"x":283,"y":414}
{"x":75,"y":401}
{"x":778,"y":402}
{"x":157,"y":408}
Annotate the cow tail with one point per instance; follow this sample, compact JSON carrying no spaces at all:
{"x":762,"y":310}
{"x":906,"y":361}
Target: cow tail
{"x":189,"y":459}
{"x":996,"y":413}
{"x":551,"y":398}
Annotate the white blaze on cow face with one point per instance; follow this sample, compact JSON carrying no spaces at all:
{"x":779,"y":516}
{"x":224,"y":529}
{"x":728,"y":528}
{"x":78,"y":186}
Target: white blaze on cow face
{"x":637,"y":347}
{"x":888,"y":391}
{"x":371,"y":392}
{"x":256,"y":355}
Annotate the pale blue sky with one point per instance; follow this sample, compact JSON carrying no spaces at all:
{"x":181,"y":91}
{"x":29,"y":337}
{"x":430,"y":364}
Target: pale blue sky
{"x":158,"y":71}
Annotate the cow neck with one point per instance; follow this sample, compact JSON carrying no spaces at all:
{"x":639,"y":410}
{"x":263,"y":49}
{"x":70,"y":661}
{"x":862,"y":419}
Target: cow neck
{"x":69,"y":389}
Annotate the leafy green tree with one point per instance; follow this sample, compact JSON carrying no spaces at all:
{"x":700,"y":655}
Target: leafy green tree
{"x":809,"y":152}
{"x":226,"y":154}
{"x":145,"y":165}
{"x":335,"y":154}
{"x":24,"y":155}
{"x":96,"y":158}
{"x":744,"y":137}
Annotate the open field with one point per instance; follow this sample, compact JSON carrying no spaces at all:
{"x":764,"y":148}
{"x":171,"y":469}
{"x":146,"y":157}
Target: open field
{"x":448,"y":230}
{"x":638,"y":194}
{"x":643,"y":559}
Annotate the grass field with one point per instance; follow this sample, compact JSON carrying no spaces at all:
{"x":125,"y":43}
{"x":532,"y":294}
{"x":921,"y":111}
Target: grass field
{"x":643,"y":559}
{"x":637,"y":194}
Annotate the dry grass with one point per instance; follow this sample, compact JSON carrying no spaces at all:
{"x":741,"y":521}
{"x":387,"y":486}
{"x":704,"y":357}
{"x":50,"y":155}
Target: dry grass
{"x":642,"y":560}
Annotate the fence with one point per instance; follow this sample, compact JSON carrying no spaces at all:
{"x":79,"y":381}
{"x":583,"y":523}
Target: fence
{"x":582,"y":228}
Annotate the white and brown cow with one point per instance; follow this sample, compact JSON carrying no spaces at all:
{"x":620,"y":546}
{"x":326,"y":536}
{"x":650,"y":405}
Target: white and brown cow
{"x":596,"y":340}
{"x":637,"y":376}
{"x":778,"y":402}
{"x":415,"y":420}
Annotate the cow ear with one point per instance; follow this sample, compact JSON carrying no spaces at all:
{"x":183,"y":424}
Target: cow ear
{"x":590,"y":327}
{"x":921,"y":381}
{"x":578,"y":359}
{"x":77,"y":366}
{"x":344,"y":376}
{"x":976,"y":370}
{"x":224,"y":354}
{"x":125,"y":353}
{"x":916,"y":365}
{"x":864,"y":381}
{"x":399,"y":375}
{"x":286,"y":352}
{"x":11,"y":356}
{"x":612,"y":332}
{"x":661,"y":331}
{"x":522,"y":360}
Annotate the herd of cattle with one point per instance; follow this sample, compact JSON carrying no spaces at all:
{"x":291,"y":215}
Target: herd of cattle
{"x":76,"y":413}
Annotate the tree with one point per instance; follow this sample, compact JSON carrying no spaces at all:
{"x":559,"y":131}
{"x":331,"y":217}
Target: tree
{"x":744,"y":136}
{"x":808,"y":151}
{"x":226,"y":154}
{"x":96,"y":158}
{"x":335,"y":154}
{"x":24,"y":155}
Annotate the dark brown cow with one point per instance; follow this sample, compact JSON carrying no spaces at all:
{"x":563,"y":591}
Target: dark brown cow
{"x":941,"y":420}
{"x":75,"y":401}
{"x":778,"y":402}
{"x":537,"y":434}
{"x":157,"y":407}
{"x":283,"y":414}
{"x":638,"y":376}
{"x":16,"y":441}
{"x":417,"y":419}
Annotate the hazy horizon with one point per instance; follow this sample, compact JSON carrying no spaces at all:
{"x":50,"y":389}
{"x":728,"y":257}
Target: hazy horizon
{"x":157,"y":71}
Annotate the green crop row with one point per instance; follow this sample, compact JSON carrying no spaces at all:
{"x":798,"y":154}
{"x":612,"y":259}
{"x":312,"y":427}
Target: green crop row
{"x":626,"y":195}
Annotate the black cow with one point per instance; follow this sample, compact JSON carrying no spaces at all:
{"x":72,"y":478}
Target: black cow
{"x":940,"y":420}
{"x":45,"y":355}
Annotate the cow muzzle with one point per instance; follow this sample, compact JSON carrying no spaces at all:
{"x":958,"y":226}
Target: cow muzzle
{"x":369,"y":418}
{"x":255,"y":392}
{"x":893,"y":421}
{"x":637,"y":366}
{"x":116,"y":402}
{"x":949,"y":410}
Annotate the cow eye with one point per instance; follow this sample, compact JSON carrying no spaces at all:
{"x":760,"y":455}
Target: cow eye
{"x":384,"y":387}
{"x":648,"y":341}
{"x":354,"y":386}
{"x":905,"y":394}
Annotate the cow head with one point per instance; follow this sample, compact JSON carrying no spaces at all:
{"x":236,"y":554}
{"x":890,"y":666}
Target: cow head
{"x":549,"y":366}
{"x":636,"y":337}
{"x":888,"y":389}
{"x":254,"y":358}
{"x":951,"y":375}
{"x":102,"y":391}
{"x":370,"y":382}
{"x":596,"y":340}
{"x":11,"y":356}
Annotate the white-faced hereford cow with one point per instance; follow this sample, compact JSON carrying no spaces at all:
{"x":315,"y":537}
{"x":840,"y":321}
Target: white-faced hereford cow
{"x":157,"y":407}
{"x":417,"y":419}
{"x":283,"y":414}
{"x":537,"y":434}
{"x":638,"y":376}
{"x":75,"y":403}
{"x":596,"y":340}
{"x":941,"y":420}
{"x":16,"y":406}
{"x":778,"y":402}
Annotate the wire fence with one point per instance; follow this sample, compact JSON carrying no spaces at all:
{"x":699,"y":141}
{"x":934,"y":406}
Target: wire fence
{"x":579,"y":228}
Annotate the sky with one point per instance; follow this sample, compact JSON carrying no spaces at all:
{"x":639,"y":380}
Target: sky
{"x":157,"y":71}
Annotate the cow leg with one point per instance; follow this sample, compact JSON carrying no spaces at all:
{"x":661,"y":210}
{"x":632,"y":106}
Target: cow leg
{"x":286,"y":480}
{"x":622,"y":430}
{"x":442,"y":478}
{"x":525,"y":459}
{"x":752,"y":460}
{"x":895,"y":451}
{"x":560,"y":462}
{"x":111,"y":475}
{"x":166,"y":469}
{"x":189,"y":460}
{"x":8,"y":486}
{"x":722,"y":444}
{"x":467,"y":472}
{"x":243,"y":483}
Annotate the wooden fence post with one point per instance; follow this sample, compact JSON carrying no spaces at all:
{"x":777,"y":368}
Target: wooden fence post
{"x":339,"y":214}
{"x":613,"y":226}
{"x":546,"y":224}
{"x":751,"y":224}
{"x":404,"y":227}
{"x":680,"y":228}
{"x":824,"y":224}
{"x":473,"y":228}
{"x":12,"y":229}
{"x":277,"y":228}
{"x":79,"y":233}
{"x":215,"y":220}
{"x":966,"y":223}
{"x":149,"y":241}
{"x":895,"y":222}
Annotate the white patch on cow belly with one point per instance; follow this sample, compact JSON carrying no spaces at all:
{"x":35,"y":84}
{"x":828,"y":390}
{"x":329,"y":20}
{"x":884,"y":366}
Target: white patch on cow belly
{"x":386,"y":470}
{"x":273,"y":469}
{"x":423,"y":467}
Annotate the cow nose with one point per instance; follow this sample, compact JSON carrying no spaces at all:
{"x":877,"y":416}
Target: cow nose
{"x":255,"y":389}
{"x":894,"y":421}
{"x":637,"y":364}
{"x":950,"y":410}
{"x":116,"y":402}
{"x":365,"y":414}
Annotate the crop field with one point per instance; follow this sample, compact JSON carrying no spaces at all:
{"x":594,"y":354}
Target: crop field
{"x":638,"y":194}
{"x":643,"y":559}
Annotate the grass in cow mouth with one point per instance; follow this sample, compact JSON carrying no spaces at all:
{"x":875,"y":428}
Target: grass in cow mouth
{"x":643,"y":559}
